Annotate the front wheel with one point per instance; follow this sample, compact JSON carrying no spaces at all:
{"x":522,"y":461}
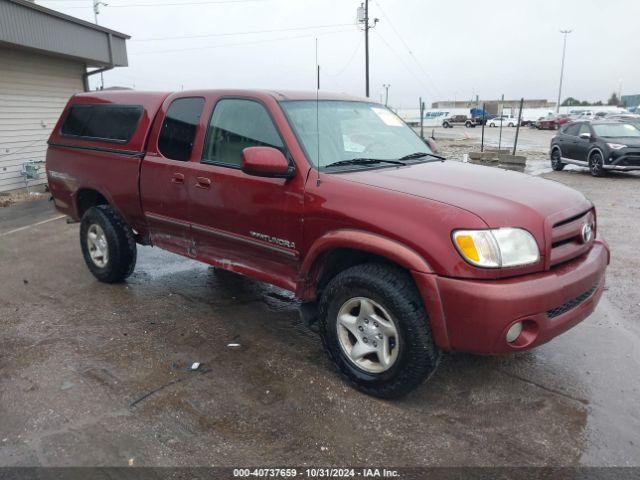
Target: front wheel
{"x":596,"y":164}
{"x":556,"y":160}
{"x":376,"y":331}
{"x":108,"y":244}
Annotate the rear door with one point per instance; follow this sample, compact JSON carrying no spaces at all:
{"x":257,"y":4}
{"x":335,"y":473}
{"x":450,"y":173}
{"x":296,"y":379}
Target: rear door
{"x":167,"y":172}
{"x":582,"y":145}
{"x":568,"y":141}
{"x":243,"y":222}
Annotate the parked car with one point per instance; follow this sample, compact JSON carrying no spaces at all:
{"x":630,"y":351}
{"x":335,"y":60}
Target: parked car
{"x":554,"y":122}
{"x":506,"y":120}
{"x":395,"y":253}
{"x":468,"y":122}
{"x":625,"y":117}
{"x":599,"y":145}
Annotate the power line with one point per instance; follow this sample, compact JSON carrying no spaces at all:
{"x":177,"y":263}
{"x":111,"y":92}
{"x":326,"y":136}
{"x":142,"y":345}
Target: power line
{"x":415,"y":59}
{"x":349,"y":62}
{"x":130,"y":5}
{"x":404,"y":64}
{"x":240,"y":33}
{"x":254,"y":42}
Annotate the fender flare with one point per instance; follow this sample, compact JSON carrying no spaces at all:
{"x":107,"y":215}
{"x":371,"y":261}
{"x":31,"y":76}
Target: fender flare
{"x":373,"y":243}
{"x":420,"y":270}
{"x":591,"y":153}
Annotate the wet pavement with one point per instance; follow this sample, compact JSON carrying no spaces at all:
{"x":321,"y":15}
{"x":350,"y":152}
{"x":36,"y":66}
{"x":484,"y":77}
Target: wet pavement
{"x":95,"y":374}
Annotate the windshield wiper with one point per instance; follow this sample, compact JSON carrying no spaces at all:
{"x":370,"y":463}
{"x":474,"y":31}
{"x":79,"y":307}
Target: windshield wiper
{"x":411,"y":156}
{"x":363,"y":161}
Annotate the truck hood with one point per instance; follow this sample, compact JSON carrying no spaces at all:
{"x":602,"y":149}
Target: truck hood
{"x":499,"y":197}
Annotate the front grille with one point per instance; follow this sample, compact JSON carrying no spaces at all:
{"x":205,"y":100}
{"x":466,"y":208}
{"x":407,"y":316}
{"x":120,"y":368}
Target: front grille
{"x":630,"y":161}
{"x":571,"y":304}
{"x":566,"y":238}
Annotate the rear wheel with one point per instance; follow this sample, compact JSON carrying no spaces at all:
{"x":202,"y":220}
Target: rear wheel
{"x":376,"y":331}
{"x":556,"y":160}
{"x":510,"y":125}
{"x":108,"y":244}
{"x":596,"y":164}
{"x":446,"y":125}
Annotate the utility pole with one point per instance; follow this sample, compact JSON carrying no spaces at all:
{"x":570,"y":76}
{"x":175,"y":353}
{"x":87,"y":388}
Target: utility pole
{"x":363,"y":18}
{"x":96,"y":12}
{"x":386,"y":95}
{"x":564,"y":51}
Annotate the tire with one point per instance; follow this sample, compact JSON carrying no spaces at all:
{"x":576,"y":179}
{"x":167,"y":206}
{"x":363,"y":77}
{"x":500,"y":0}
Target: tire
{"x":492,"y":125}
{"x":468,"y":125}
{"x":595,"y":164}
{"x":446,"y":125}
{"x":394,"y":300}
{"x":556,"y":162}
{"x":108,"y":244}
{"x":510,"y":125}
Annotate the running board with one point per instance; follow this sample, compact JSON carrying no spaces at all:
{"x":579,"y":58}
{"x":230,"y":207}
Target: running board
{"x":574,"y":162}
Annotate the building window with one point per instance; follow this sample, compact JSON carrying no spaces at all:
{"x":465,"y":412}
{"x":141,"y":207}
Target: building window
{"x":179,"y":128}
{"x":114,"y":123}
{"x":236,"y":125}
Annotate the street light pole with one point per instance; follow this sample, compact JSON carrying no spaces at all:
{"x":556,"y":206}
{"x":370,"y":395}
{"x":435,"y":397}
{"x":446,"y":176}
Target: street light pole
{"x":386,"y":95}
{"x":564,"y":51}
{"x":96,"y":12}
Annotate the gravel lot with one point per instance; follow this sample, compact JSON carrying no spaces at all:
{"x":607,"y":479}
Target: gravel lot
{"x":94,"y":374}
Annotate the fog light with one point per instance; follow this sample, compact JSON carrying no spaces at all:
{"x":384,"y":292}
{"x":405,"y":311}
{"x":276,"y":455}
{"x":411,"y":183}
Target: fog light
{"x":514,"y":332}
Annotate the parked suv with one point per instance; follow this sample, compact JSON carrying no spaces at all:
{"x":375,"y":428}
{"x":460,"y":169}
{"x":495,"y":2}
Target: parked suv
{"x":599,"y":145}
{"x":395,"y":253}
{"x":450,"y":122}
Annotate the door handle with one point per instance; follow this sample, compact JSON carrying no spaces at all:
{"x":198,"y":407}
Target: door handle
{"x":203,"y":182}
{"x":177,"y":178}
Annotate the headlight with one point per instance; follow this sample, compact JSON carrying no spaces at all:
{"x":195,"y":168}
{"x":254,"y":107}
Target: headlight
{"x":500,"y":247}
{"x":616,"y":146}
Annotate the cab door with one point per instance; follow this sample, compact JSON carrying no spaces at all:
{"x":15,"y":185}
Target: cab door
{"x":241,"y":222}
{"x":581,"y":145}
{"x":167,"y":172}
{"x":567,"y":139}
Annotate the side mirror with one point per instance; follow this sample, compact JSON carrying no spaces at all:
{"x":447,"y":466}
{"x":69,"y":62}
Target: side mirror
{"x":586,"y":136}
{"x":266,"y":162}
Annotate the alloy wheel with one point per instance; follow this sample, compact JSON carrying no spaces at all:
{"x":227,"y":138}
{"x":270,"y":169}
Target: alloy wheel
{"x":97,"y":244}
{"x":367,"y":335}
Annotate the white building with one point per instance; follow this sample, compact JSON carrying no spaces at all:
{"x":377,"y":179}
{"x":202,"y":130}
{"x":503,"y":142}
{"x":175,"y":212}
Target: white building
{"x":44,"y":56}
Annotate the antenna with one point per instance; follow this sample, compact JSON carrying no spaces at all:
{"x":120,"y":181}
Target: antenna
{"x":318,"y":114}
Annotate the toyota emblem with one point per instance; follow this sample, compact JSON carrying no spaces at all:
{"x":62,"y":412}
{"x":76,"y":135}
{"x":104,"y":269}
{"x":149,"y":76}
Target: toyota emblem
{"x":587,"y":233}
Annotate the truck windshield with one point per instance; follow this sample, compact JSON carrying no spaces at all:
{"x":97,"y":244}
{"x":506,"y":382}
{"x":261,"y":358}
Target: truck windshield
{"x":350,"y":130}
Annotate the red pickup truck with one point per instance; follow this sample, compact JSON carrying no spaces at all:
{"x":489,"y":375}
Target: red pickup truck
{"x":396,"y":254}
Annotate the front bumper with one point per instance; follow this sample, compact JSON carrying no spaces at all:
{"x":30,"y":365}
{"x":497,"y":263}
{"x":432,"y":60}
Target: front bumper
{"x":624,"y":161}
{"x":474,"y":315}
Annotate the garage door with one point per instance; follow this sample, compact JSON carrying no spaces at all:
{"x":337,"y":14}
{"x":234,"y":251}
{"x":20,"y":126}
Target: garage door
{"x":33,"y":92}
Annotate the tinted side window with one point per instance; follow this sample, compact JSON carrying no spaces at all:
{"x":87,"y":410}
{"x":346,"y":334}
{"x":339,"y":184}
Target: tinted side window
{"x":76,"y":120}
{"x":179,"y":128}
{"x":102,"y":122}
{"x":572,"y":129}
{"x":236,"y":125}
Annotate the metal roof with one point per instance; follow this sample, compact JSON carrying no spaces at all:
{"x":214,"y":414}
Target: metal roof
{"x":24,"y":24}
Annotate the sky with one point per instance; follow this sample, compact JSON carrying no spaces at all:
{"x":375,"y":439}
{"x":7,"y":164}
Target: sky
{"x":437,"y":50}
